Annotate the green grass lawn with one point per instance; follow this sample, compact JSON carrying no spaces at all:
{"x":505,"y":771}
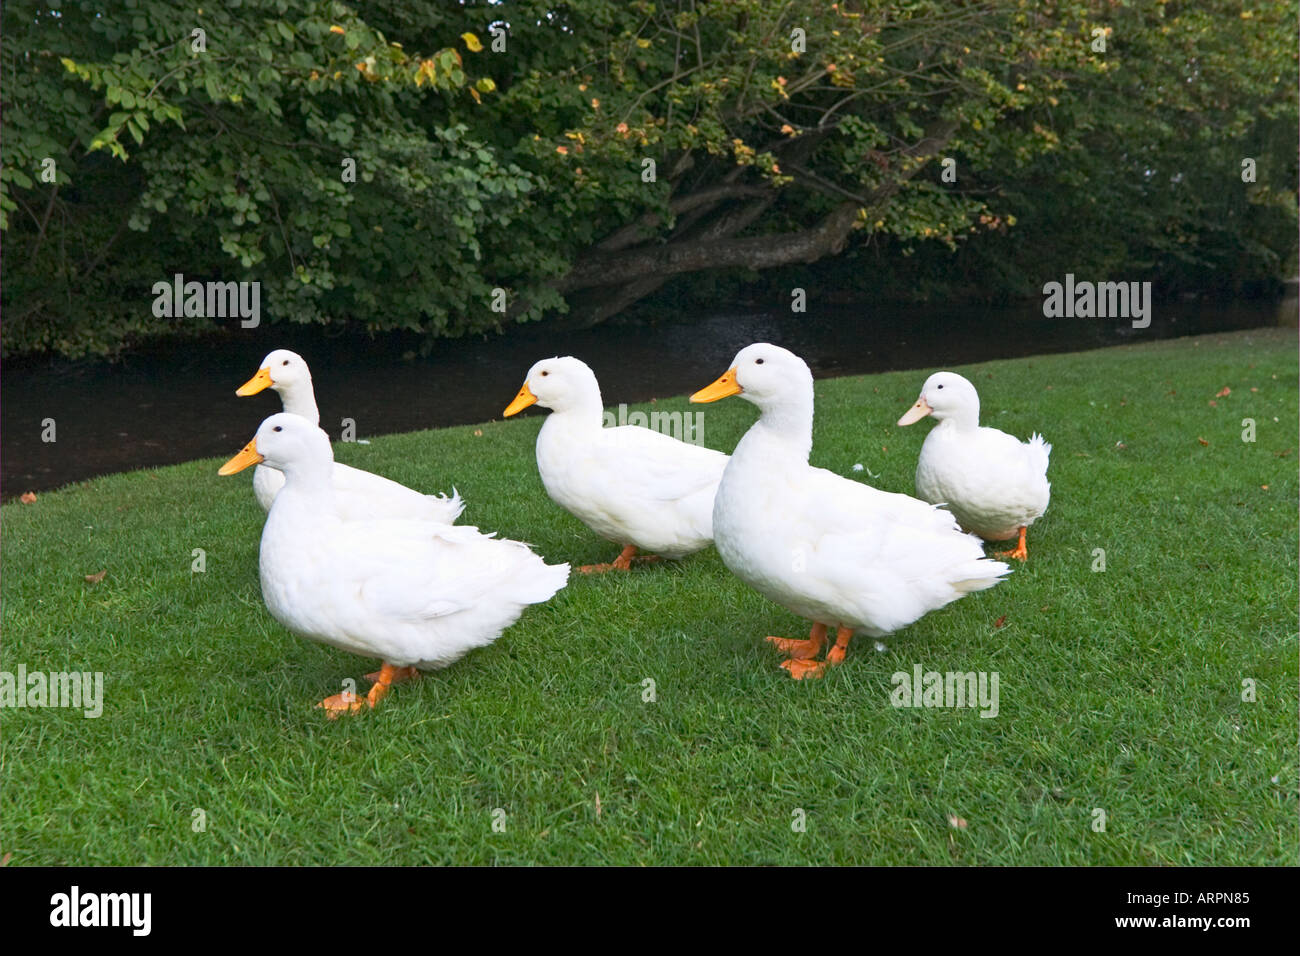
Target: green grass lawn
{"x":1119,"y":690}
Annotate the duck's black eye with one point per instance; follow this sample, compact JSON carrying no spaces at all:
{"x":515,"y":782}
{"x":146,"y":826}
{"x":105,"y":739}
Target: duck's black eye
{"x":758,"y":361}
{"x":285,"y":362}
{"x":938,"y":386}
{"x":277,"y":428}
{"x":545,"y":373}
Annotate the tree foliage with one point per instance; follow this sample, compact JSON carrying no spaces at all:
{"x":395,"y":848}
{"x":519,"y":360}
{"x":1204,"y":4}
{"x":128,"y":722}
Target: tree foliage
{"x":578,"y":155}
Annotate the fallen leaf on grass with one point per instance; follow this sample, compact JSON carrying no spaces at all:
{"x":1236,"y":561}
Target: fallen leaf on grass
{"x":1263,"y":487}
{"x":957,"y":823}
{"x":1213,"y":403}
{"x":1223,"y":392}
{"x":4,"y":860}
{"x":1000,"y":621}
{"x":28,"y":497}
{"x":96,"y":578}
{"x":478,"y":433}
{"x":597,"y":804}
{"x":1202,"y":441}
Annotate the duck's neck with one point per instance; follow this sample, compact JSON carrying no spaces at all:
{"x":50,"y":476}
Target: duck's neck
{"x":785,"y":428}
{"x":584,"y":413}
{"x":299,"y":399}
{"x":965,"y":420}
{"x":312,"y":478}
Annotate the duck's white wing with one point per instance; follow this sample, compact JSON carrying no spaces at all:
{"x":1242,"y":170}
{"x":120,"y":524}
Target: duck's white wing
{"x":1004,"y":459}
{"x":419,"y":570}
{"x":656,"y":467}
{"x":892,"y":556}
{"x":849,"y":504}
{"x":363,"y":494}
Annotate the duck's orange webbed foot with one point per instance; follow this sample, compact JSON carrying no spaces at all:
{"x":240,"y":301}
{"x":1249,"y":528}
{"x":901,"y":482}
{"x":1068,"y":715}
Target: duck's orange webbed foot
{"x":803,"y":669}
{"x":837,"y":653}
{"x":344,"y":703}
{"x":1019,"y":552}
{"x":350,"y":703}
{"x":801,"y":649}
{"x":622,"y":563}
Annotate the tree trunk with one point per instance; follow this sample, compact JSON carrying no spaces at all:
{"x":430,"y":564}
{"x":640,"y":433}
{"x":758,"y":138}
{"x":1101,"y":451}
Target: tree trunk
{"x":631,"y":263}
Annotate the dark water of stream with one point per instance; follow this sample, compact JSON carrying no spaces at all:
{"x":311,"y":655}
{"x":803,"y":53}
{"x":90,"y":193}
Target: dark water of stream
{"x":177,"y":402}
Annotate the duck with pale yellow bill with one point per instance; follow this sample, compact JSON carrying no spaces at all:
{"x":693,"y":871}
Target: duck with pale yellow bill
{"x":994,"y":483}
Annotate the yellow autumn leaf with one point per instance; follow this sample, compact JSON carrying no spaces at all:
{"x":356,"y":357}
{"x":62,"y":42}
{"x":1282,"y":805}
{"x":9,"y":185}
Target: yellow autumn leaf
{"x":472,"y":42}
{"x":337,"y":29}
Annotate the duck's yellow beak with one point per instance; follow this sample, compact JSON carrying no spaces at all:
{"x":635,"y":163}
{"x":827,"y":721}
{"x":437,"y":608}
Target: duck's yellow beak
{"x":916,"y":412}
{"x":727,"y":385}
{"x":249,"y":456}
{"x":257,"y":383}
{"x":522,"y":401}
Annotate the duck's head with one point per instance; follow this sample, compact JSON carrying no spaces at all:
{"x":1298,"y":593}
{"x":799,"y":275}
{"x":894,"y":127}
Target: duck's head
{"x":945,"y":395}
{"x":281,"y":370}
{"x":764,"y":374}
{"x":285,"y":442}
{"x":559,"y":384}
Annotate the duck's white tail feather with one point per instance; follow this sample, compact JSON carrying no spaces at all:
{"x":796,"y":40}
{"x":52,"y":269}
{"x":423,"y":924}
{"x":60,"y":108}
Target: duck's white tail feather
{"x":977,"y":575}
{"x":1039,"y":451}
{"x":444,"y":508}
{"x":539,"y":582}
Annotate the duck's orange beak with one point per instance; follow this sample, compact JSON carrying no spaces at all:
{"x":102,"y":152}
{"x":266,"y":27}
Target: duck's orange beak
{"x":727,"y":385}
{"x":522,"y":401}
{"x":916,"y":412}
{"x":257,"y":383}
{"x":249,"y":456}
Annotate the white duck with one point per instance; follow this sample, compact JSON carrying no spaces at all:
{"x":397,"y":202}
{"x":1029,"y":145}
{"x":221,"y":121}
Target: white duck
{"x":837,"y":552}
{"x":362,"y":494}
{"x":416,"y":593}
{"x":993,"y":482}
{"x":631,"y":485}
